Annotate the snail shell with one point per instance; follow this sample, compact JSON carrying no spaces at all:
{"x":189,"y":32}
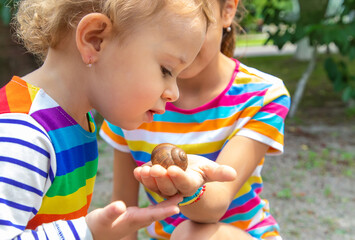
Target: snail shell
{"x":166,"y":154}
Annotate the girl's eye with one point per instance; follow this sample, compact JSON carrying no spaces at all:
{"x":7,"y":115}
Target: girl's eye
{"x":165,"y":72}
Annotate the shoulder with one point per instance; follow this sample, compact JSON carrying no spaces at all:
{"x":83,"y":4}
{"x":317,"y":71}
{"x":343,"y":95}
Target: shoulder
{"x":23,"y":127}
{"x":256,"y":80}
{"x":24,"y":142}
{"x":17,"y":96}
{"x":253,"y":75}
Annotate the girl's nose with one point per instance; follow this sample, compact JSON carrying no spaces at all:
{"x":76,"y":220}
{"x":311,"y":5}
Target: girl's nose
{"x":171,"y":93}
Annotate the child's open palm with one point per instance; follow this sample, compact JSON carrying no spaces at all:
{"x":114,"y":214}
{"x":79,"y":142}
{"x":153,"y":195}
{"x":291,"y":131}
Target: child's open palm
{"x":174,"y":180}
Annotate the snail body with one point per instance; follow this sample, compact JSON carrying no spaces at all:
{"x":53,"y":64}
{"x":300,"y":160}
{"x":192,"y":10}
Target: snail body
{"x":166,"y":154}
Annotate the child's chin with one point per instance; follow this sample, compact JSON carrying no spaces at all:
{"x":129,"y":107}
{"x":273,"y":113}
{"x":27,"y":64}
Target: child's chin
{"x":132,"y":126}
{"x":129,"y":125}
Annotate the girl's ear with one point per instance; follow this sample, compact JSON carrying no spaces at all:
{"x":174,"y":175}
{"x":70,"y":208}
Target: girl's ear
{"x":228,"y":12}
{"x":92,"y":33}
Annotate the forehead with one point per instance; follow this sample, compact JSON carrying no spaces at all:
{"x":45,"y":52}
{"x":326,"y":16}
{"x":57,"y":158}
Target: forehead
{"x":177,"y":29}
{"x":168,"y":31}
{"x":179,"y":10}
{"x":177,"y":17}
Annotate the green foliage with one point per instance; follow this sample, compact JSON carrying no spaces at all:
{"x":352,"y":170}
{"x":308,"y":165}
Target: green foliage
{"x":7,"y":9}
{"x":322,"y":27}
{"x":252,"y":17}
{"x":343,"y":81}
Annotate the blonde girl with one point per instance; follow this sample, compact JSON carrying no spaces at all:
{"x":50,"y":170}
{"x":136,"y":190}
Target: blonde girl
{"x":120,"y":57}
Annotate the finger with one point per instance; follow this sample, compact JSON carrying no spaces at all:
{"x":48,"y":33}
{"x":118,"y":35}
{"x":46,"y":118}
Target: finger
{"x":157,"y":171}
{"x":163,"y":209}
{"x":186,"y":182}
{"x":147,"y":180}
{"x":137,"y":174}
{"x":172,"y":201}
{"x":166,"y":186}
{"x":217,"y":172}
{"x":162,"y":180}
{"x":135,"y":218}
{"x":112,"y":211}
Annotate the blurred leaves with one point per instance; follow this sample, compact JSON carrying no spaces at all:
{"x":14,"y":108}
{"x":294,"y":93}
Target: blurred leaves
{"x":322,"y":24}
{"x":7,"y":9}
{"x":339,"y":74}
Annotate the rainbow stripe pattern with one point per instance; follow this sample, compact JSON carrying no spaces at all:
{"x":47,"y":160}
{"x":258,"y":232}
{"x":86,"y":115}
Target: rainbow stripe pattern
{"x":72,"y":171}
{"x":254,"y":105}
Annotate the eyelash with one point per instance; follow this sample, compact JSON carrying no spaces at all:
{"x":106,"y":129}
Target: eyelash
{"x":165,"y":72}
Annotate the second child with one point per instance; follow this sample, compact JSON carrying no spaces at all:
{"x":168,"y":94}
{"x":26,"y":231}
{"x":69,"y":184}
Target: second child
{"x":227,"y":113}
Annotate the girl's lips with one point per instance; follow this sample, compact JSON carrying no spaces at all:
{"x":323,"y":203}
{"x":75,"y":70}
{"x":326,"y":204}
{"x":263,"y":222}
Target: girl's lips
{"x":151,"y":113}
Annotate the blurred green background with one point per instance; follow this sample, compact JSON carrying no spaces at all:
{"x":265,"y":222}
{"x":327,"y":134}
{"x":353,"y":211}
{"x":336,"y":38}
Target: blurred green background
{"x":320,"y":32}
{"x":310,"y":45}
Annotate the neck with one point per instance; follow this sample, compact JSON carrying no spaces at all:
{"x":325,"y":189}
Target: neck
{"x":62,"y":77}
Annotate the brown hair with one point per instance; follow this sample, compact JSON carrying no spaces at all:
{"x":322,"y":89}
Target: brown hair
{"x":229,"y":38}
{"x":40,"y":24}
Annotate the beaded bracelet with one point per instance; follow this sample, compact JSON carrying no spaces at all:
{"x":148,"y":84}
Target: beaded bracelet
{"x":194,"y":198}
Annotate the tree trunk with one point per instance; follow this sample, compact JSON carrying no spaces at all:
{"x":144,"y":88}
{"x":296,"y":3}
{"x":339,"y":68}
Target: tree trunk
{"x":302,"y":84}
{"x":304,"y":50}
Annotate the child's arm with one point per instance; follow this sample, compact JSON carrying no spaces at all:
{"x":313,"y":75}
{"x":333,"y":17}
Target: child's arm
{"x":241,"y":153}
{"x":125,"y":186}
{"x":25,"y":173}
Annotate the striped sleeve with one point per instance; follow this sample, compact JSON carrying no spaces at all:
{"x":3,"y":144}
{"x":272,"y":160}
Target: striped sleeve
{"x":114,"y":136}
{"x":267,"y":124}
{"x":27,"y":168}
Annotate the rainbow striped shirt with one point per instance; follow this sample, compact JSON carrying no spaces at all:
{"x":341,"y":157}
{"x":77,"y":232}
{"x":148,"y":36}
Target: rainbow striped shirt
{"x":253,"y":105}
{"x":48,"y":165}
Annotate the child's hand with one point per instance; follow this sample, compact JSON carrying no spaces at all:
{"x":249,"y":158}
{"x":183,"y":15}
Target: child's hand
{"x":116,"y":221}
{"x":168,"y":182}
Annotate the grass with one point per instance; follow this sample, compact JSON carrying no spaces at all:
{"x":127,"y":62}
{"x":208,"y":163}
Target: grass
{"x":251,"y":40}
{"x":326,"y":159}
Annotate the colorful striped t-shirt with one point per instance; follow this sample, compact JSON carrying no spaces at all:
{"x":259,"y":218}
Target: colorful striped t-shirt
{"x":253,"y":105}
{"x":48,"y":165}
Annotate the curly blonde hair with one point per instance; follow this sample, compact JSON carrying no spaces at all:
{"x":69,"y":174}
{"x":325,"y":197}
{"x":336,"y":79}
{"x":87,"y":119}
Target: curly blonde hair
{"x":41,"y":24}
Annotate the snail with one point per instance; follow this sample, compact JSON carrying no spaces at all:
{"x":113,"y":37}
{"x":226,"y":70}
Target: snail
{"x":166,"y":154}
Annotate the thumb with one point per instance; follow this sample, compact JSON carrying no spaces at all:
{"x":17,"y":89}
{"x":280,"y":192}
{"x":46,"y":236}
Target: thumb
{"x":219,"y":173}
